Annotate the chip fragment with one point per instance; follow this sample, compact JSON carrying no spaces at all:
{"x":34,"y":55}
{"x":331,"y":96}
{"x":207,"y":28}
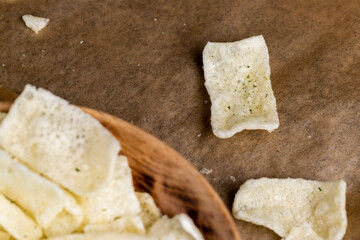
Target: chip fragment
{"x":35,"y":23}
{"x":237,"y":78}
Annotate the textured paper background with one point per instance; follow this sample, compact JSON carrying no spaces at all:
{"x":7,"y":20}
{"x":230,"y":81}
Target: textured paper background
{"x":141,"y":61}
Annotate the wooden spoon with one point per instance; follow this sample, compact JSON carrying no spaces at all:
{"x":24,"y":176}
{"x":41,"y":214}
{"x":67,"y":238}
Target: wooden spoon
{"x":176,"y":186}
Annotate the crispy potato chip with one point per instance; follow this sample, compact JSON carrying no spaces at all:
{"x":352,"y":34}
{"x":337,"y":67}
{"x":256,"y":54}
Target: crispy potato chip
{"x":35,"y":23}
{"x":149,"y":211}
{"x":116,"y":199}
{"x":104,"y":236}
{"x":60,"y":141}
{"x":129,"y":224}
{"x":237,"y":78}
{"x":180,"y":227}
{"x":2,"y":116}
{"x":68,"y":220}
{"x":42,"y":198}
{"x":294,"y":207}
{"x":16,"y":222}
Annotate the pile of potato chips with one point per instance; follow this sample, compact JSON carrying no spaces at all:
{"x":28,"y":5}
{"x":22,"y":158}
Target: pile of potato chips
{"x":61,"y":178}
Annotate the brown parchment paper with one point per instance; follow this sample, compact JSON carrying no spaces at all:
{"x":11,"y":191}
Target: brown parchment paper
{"x":141,"y":61}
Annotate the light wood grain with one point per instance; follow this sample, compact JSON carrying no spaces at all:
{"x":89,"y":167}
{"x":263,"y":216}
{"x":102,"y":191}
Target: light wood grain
{"x":176,"y":186}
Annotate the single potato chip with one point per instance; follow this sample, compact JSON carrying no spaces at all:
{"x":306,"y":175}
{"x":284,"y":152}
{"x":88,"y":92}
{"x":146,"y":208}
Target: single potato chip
{"x":16,"y":222}
{"x":104,"y":236}
{"x":128,"y":224}
{"x":149,"y":211}
{"x":60,"y":141}
{"x":180,"y":227}
{"x":68,"y":220}
{"x":35,"y":23}
{"x":237,"y":78}
{"x":294,"y":207}
{"x":43,"y":199}
{"x":116,"y":199}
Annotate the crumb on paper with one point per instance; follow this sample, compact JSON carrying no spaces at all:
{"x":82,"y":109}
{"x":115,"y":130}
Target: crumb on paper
{"x":206,"y":171}
{"x":35,"y":23}
{"x":232,"y":178}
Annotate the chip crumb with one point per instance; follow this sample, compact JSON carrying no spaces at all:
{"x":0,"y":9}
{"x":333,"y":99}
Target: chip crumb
{"x":232,"y":178}
{"x":35,"y":23}
{"x":206,"y":171}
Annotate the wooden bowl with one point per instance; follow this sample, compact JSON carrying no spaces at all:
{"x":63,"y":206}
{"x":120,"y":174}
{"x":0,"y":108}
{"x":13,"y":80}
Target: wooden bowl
{"x":176,"y":186}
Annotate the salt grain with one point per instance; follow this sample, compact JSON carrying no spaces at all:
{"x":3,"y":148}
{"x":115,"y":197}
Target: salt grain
{"x":81,"y":42}
{"x":232,"y":178}
{"x":3,"y":64}
{"x":199,"y":135}
{"x":206,"y":171}
{"x":184,"y":24}
{"x":155,"y":19}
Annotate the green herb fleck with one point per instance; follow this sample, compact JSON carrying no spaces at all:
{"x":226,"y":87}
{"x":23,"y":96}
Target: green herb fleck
{"x":104,"y":209}
{"x":248,"y":76}
{"x":76,"y":169}
{"x":243,"y":84}
{"x":251,"y":111}
{"x":320,"y":189}
{"x":228,"y":107}
{"x":266,"y":95}
{"x":248,"y":66}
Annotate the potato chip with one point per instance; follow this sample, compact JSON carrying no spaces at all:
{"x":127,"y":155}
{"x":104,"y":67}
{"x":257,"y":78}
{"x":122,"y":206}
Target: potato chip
{"x":294,"y":207}
{"x":104,"y":236}
{"x":129,"y":224}
{"x":40,"y":197}
{"x":237,"y":78}
{"x":180,"y":227}
{"x":149,"y":211}
{"x":60,"y":141}
{"x":116,"y":199}
{"x":68,"y":220}
{"x":16,"y":222}
{"x":35,"y":23}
